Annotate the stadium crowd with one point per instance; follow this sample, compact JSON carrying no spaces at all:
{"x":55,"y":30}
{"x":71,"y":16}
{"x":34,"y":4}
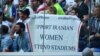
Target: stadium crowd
{"x":14,"y":17}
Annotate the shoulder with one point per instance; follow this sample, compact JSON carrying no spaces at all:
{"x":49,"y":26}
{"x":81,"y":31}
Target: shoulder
{"x":92,"y":19}
{"x":13,"y":6}
{"x":84,"y":5}
{"x":19,"y":20}
{"x":26,"y":35}
{"x":8,"y":38}
{"x":28,"y":7}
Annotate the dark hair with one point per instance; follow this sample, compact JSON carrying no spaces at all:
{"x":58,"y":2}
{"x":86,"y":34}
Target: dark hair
{"x":25,"y":11}
{"x":82,"y":0}
{"x":41,"y":1}
{"x":4,"y":29}
{"x":26,"y":1}
{"x":22,"y":25}
{"x":77,"y":10}
{"x":11,"y":0}
{"x":54,"y":1}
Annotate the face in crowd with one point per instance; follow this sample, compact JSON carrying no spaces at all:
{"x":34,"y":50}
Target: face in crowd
{"x":8,"y":1}
{"x":35,"y":3}
{"x":96,"y":11}
{"x":19,"y":28}
{"x":49,"y":2}
{"x":21,"y":15}
{"x":73,"y":12}
{"x":22,"y":3}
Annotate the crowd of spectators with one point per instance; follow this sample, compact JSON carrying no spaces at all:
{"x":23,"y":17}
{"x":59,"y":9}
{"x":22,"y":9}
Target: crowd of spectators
{"x":14,"y":17}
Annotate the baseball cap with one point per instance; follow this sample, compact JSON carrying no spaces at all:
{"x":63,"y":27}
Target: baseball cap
{"x":25,"y":11}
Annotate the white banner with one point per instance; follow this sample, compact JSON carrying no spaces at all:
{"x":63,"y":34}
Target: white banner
{"x":53,"y":33}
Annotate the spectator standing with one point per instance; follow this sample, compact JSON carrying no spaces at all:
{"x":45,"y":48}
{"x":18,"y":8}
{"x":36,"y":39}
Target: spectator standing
{"x":83,"y":9}
{"x":23,"y":4}
{"x":83,"y":31}
{"x":24,"y":17}
{"x":34,"y":6}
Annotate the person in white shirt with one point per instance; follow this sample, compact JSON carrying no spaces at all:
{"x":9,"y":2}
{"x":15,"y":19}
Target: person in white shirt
{"x":33,"y":7}
{"x":24,"y":17}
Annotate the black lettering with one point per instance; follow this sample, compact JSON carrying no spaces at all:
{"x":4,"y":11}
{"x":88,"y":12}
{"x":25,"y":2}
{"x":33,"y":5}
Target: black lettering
{"x":55,"y":27}
{"x":71,"y":48}
{"x":55,"y":47}
{"x":43,"y":26}
{"x":51,"y":37}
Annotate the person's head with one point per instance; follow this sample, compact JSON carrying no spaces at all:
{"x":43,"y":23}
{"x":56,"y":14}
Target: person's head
{"x":52,"y":10}
{"x":74,"y":11}
{"x":8,"y":1}
{"x":96,"y":11}
{"x":50,"y":2}
{"x":77,"y":1}
{"x":86,"y":1}
{"x":87,"y":52}
{"x":24,"y":14}
{"x":23,"y":3}
{"x":20,"y":27}
{"x":35,"y":4}
{"x":4,"y":29}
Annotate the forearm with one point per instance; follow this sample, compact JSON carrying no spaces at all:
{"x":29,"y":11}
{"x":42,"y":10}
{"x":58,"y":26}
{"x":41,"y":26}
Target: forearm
{"x":85,"y":17}
{"x":12,"y":31}
{"x":97,"y":35}
{"x":6,"y":50}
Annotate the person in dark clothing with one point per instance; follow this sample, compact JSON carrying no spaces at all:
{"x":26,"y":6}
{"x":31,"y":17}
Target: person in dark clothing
{"x":83,"y":15}
{"x":94,"y":28}
{"x":83,"y":9}
{"x":75,"y":11}
{"x":83,"y":31}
